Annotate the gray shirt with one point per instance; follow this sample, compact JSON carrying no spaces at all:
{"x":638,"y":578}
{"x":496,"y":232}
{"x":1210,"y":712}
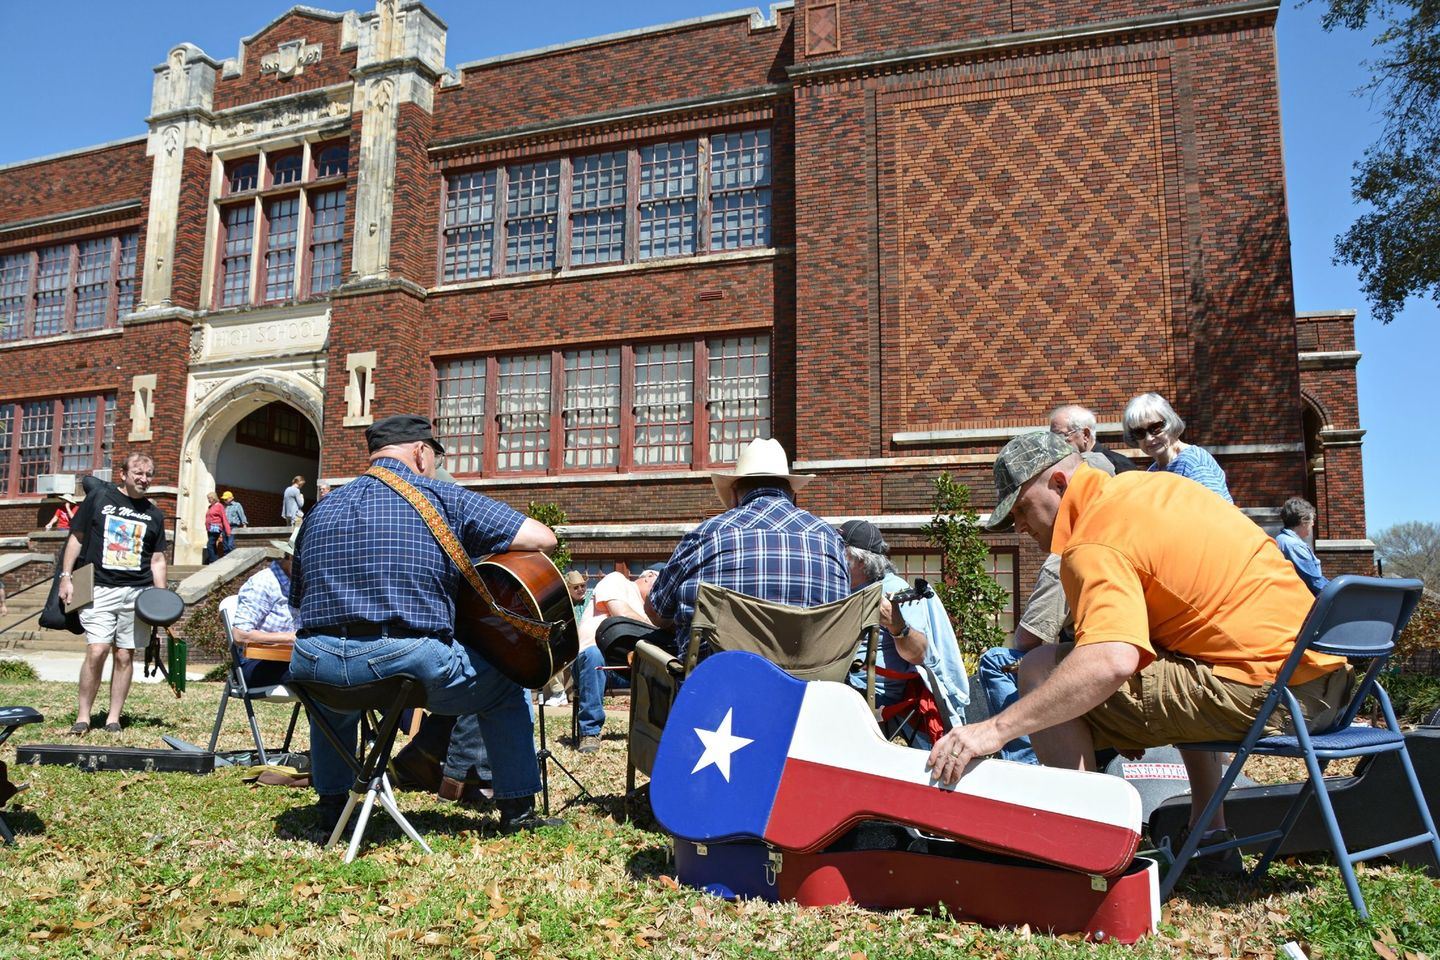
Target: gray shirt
{"x":294,"y":503}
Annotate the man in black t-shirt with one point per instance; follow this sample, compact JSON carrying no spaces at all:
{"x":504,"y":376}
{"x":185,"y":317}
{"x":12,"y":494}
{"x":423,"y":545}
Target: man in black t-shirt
{"x":122,"y":535}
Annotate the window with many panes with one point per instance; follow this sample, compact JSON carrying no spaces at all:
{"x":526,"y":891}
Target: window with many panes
{"x":65,"y":435}
{"x":278,"y":426}
{"x":1000,"y":565}
{"x":282,"y":225}
{"x":615,"y":408}
{"x":85,"y":285}
{"x":620,"y":206}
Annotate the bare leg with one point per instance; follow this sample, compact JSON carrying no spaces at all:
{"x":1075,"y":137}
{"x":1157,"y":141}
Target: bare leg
{"x":1067,"y":744}
{"x":120,"y":682}
{"x":90,"y":670}
{"x":1204,"y":771}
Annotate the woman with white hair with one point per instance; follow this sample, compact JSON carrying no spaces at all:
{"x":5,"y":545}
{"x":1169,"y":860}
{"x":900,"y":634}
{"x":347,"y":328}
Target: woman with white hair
{"x":1153,"y":425}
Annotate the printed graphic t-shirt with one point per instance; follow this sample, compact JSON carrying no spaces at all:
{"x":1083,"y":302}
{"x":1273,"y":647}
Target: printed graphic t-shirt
{"x":120,"y":537}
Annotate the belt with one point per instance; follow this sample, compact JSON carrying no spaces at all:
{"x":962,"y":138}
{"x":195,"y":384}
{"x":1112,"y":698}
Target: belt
{"x":365,"y":630}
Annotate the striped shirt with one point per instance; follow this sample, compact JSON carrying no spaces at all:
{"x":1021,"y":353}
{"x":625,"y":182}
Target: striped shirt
{"x":365,"y":554}
{"x":263,"y":603}
{"x":766,"y":548}
{"x":1197,"y":464}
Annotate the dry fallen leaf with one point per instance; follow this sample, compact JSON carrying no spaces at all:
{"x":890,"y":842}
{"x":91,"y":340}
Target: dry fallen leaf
{"x":1383,"y":948}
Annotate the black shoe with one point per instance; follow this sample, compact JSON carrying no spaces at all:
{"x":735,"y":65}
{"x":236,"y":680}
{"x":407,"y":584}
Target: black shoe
{"x":519,"y":814}
{"x":1222,"y":863}
{"x":414,"y":769}
{"x":328,"y":809}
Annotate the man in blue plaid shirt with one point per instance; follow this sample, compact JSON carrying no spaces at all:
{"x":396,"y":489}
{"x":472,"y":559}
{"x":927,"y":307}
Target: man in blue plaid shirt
{"x":374,"y":589}
{"x":763,"y":546}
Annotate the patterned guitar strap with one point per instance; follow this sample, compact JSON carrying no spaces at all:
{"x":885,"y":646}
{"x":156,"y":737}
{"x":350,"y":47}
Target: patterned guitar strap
{"x":537,"y":630}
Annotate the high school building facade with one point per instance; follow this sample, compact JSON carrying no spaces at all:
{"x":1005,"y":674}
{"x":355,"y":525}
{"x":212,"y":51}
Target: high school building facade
{"x":890,"y":233}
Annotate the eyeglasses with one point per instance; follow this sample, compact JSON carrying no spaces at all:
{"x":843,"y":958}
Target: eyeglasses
{"x":1154,"y":430}
{"x":1064,"y":433}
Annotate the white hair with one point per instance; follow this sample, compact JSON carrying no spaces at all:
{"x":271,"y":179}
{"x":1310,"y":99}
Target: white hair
{"x":1144,"y":410}
{"x":1080,"y":418}
{"x":876,"y":565}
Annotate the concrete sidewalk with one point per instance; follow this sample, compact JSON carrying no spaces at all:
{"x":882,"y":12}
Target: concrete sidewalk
{"x":63,"y":666}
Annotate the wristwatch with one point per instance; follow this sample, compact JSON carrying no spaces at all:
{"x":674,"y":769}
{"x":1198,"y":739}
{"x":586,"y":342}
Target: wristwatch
{"x":64,"y":575}
{"x":904,"y":632}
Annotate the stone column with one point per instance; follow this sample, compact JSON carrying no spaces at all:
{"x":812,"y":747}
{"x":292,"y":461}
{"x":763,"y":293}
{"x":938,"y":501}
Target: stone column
{"x":402,"y":55}
{"x":180,"y":120}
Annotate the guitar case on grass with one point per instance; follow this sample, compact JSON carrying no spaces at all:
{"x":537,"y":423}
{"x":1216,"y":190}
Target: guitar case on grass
{"x":98,"y":757}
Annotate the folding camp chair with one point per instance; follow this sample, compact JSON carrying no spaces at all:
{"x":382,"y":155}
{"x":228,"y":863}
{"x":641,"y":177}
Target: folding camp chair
{"x":1354,"y":617}
{"x":391,"y":696}
{"x":235,"y":686}
{"x":809,"y":643}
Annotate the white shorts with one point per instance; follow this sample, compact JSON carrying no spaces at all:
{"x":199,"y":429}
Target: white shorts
{"x":110,"y":619}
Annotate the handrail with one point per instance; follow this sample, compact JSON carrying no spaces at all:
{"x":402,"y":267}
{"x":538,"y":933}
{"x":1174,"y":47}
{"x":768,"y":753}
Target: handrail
{"x":43,"y":581}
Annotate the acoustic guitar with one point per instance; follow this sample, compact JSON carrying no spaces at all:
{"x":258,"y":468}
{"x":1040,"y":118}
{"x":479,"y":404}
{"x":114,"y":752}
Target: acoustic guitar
{"x":524,"y":583}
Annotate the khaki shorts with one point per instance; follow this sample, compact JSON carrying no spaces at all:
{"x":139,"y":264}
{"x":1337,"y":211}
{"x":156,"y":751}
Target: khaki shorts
{"x":111,"y":619}
{"x":1179,"y":700}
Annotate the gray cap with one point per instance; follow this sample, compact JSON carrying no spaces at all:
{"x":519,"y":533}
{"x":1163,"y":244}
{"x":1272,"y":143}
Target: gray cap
{"x":1027,"y":456}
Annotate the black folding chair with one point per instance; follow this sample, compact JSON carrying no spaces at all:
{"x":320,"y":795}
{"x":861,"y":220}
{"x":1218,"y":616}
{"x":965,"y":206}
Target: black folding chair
{"x":392,"y":697}
{"x":1354,"y":617}
{"x":12,"y":719}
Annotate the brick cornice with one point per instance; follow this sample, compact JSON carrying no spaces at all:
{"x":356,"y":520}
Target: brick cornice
{"x":905,"y":60}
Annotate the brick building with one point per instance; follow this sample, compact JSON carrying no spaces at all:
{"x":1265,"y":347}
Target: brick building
{"x":890,"y":233}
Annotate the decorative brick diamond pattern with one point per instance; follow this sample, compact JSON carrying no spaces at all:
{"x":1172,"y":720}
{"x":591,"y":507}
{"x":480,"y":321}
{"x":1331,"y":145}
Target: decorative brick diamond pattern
{"x":1032,"y":252}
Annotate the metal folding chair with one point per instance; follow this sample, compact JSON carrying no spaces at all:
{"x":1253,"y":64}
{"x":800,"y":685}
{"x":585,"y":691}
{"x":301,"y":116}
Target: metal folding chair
{"x":392,"y":697}
{"x":1354,"y":617}
{"x":235,"y":686}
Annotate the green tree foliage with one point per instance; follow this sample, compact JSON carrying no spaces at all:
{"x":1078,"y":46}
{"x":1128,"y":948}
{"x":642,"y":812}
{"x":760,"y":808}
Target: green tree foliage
{"x":1410,"y":549}
{"x":552,"y":515}
{"x":970,"y":595}
{"x":1395,"y":244}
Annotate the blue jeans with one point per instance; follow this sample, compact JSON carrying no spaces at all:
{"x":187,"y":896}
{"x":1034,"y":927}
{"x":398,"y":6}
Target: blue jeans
{"x":590,"y":690}
{"x":214,"y":542}
{"x":1001,"y":690}
{"x":458,"y":681}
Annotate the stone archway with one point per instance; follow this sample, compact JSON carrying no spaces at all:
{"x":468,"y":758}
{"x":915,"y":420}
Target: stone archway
{"x":207,"y":426}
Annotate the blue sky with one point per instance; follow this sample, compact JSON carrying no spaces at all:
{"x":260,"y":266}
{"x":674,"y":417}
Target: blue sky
{"x":85,"y":72}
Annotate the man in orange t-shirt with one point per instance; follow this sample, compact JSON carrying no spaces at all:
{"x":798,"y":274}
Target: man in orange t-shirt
{"x":1184,"y":613}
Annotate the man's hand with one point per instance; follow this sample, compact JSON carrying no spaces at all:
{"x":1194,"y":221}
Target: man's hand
{"x":66,"y":591}
{"x":953,"y":752}
{"x":890,"y":617}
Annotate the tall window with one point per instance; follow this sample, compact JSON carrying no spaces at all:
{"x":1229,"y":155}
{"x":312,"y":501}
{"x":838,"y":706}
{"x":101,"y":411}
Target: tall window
{"x":639,"y":203}
{"x":85,"y":285}
{"x":597,"y":209}
{"x":605,"y":409}
{"x":469,"y":226}
{"x":591,"y":408}
{"x":669,"y":198}
{"x":285,"y":213}
{"x":532,"y":201}
{"x":67,"y":435}
{"x":739,"y":396}
{"x":460,"y":413}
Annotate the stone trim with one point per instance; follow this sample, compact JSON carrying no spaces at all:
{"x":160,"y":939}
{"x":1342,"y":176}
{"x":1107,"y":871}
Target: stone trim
{"x":1336,"y":546}
{"x":1331,"y":437}
{"x":1244,"y":449}
{"x":1330,"y":360}
{"x":729,"y":256}
{"x":987,"y":434}
{"x":61,"y":338}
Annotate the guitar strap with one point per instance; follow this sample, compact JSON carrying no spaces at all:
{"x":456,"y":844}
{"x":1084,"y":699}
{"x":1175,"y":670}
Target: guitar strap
{"x":537,"y":630}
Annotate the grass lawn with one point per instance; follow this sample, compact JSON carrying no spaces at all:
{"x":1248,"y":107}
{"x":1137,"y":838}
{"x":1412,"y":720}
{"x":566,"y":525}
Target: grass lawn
{"x":170,"y":865}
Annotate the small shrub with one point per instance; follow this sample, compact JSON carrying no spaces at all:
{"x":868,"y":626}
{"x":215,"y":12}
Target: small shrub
{"x":552,"y":515}
{"x":969,"y":594}
{"x":17,"y":671}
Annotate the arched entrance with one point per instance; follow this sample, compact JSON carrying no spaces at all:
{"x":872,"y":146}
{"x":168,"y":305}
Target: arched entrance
{"x":250,"y":436}
{"x":1313,"y":421}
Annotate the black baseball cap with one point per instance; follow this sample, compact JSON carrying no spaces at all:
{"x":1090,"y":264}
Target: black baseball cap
{"x":401,"y":428}
{"x":863,"y":535}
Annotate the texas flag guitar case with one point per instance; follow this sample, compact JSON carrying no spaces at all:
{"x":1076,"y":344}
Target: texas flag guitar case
{"x":749,"y":752}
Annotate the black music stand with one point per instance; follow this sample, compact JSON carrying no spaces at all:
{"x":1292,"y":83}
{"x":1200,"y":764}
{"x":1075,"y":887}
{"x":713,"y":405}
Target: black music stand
{"x":546,"y":757}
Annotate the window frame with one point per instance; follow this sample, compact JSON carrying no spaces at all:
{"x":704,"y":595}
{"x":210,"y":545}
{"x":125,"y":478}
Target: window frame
{"x":102,"y":439}
{"x":304,"y":191}
{"x":563,"y":217}
{"x":700,"y":459}
{"x":69,"y":288}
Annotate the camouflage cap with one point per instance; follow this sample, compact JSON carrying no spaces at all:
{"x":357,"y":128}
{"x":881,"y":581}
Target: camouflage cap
{"x":1025,"y":457}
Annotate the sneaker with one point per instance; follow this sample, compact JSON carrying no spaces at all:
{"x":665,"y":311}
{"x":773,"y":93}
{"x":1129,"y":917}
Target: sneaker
{"x":519,"y":814}
{"x":589,"y":743}
{"x":557,"y":700}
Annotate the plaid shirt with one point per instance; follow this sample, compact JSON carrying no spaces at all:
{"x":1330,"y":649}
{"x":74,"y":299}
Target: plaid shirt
{"x":766,"y":548}
{"x":365,"y":554}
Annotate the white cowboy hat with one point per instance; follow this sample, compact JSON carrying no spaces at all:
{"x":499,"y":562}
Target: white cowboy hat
{"x":761,"y":458}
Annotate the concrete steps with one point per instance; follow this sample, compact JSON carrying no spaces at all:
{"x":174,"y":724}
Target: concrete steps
{"x":29,"y":636}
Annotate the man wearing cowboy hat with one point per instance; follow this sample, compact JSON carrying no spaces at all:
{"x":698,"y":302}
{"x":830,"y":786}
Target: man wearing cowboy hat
{"x":762,"y":546}
{"x":263,"y":615}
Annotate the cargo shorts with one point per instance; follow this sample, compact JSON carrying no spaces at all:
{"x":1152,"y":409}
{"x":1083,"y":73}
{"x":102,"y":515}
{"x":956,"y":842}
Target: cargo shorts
{"x":1176,"y":699}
